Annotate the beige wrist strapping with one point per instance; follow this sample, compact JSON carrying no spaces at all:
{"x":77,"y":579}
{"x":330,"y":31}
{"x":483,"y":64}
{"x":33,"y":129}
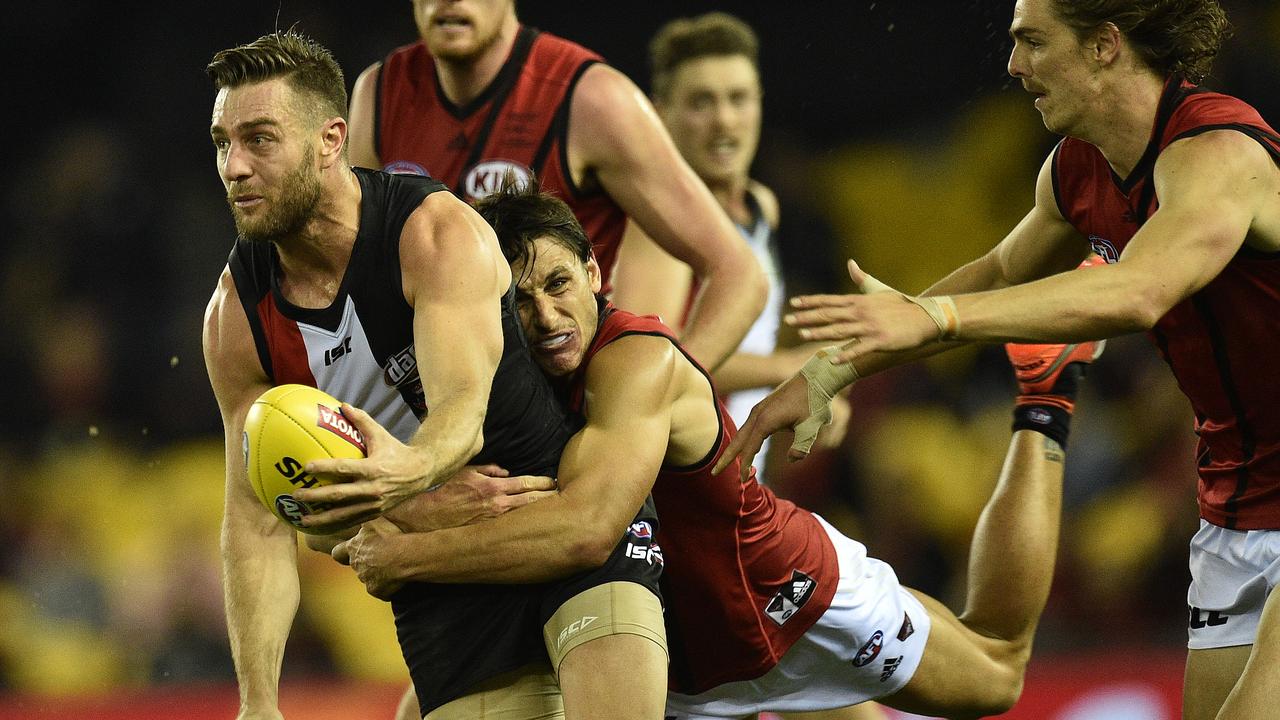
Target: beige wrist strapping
{"x":824,"y":379}
{"x":942,"y":310}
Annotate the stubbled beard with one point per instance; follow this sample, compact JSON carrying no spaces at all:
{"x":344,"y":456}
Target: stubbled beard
{"x":444,"y":53}
{"x":291,"y":208}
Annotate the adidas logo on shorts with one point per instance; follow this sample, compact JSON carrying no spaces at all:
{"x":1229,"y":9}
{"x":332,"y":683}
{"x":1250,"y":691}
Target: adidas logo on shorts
{"x":791,"y":597}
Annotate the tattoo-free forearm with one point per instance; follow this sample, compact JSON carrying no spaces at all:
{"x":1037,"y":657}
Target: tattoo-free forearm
{"x":547,"y":540}
{"x":260,"y":588}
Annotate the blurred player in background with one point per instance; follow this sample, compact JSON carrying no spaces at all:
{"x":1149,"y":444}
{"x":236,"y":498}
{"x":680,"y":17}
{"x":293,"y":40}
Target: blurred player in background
{"x":481,"y":95}
{"x":1178,"y":189}
{"x":768,"y":606}
{"x":351,"y":280}
{"x":706,"y":88}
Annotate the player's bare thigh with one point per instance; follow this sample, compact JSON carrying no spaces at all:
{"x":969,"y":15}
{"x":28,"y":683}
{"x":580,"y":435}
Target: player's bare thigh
{"x":1255,"y":693}
{"x":1209,"y":677}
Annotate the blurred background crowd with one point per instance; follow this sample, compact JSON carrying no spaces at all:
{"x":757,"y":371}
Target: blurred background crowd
{"x":892,"y":134}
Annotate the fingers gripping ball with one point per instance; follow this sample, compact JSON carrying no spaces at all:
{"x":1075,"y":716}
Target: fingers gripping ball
{"x":287,"y":427}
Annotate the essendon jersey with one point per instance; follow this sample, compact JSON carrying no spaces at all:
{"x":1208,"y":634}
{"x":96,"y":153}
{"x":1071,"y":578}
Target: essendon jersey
{"x":518,"y":124}
{"x":360,"y":350}
{"x":747,"y":573}
{"x":1222,"y":341}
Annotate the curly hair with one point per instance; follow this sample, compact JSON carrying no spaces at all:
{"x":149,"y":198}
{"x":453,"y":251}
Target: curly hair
{"x":308,"y":66}
{"x":1174,"y":37}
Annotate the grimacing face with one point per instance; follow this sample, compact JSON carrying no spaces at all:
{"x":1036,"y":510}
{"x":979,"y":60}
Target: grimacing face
{"x":556,"y":298}
{"x":460,"y":30}
{"x":265,"y":158}
{"x":712,"y":111}
{"x":1054,"y":66}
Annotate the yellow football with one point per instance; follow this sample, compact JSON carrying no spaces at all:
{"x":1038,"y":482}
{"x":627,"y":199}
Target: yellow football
{"x":287,"y":427}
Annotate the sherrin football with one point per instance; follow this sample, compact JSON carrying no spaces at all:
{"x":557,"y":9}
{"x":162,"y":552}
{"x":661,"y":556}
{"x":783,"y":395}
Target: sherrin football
{"x":287,"y":427}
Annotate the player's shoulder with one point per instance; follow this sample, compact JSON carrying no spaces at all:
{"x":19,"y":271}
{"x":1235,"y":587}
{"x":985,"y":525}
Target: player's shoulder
{"x":229,"y":350}
{"x":635,"y":359}
{"x":1224,"y":149}
{"x":441,"y":213}
{"x":605,"y":90}
{"x":223,"y":299}
{"x":551,"y":43}
{"x":367,"y":80}
{"x":767,"y":200}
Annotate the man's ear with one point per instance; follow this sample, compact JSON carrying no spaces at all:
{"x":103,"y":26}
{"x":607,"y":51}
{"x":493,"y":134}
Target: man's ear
{"x":593,"y":274}
{"x":1107,"y":44}
{"x":333,"y":138}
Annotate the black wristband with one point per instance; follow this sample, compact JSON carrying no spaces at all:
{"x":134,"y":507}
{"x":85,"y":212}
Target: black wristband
{"x":1049,"y":420}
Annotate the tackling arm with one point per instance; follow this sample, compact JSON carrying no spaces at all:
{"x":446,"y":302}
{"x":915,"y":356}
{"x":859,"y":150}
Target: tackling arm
{"x":607,"y":470}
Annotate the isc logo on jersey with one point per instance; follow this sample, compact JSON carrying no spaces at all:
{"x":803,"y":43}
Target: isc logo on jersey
{"x":287,"y":427}
{"x":485,"y":178}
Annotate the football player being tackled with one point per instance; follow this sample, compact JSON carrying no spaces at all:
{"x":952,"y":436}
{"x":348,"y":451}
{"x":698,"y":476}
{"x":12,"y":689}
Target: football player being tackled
{"x":767,"y":606}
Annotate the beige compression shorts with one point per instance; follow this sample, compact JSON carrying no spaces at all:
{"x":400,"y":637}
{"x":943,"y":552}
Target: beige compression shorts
{"x":532,"y":692}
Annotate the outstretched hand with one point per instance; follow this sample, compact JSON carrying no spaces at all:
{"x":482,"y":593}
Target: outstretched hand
{"x":876,"y":318}
{"x":785,"y":407}
{"x":364,"y":488}
{"x":793,"y":404}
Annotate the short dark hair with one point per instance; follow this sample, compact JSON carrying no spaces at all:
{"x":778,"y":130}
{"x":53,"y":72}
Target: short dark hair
{"x":685,"y":39}
{"x":308,"y":66}
{"x":1174,"y":37}
{"x":520,"y":214}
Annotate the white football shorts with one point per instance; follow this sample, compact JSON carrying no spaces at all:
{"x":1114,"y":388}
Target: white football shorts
{"x":1232,"y":573}
{"x":867,"y":645}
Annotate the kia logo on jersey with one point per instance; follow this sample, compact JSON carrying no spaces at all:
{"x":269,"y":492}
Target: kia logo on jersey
{"x":485,"y":178}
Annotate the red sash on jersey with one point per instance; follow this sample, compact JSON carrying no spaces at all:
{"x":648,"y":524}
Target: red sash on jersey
{"x":1221,"y":342}
{"x":747,"y":573}
{"x":518,"y":124}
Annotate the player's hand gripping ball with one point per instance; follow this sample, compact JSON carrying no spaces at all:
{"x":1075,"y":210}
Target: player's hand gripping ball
{"x":287,"y":427}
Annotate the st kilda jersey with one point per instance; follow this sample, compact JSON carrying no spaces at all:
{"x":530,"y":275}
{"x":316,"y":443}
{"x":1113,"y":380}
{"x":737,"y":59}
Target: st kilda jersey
{"x":518,"y":124}
{"x":747,"y":573}
{"x":360,"y":350}
{"x":1221,"y":342}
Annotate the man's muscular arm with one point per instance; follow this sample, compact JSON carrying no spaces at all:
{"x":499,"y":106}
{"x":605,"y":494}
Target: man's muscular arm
{"x":607,"y":470}
{"x":259,"y":552}
{"x":454,"y":277}
{"x":1210,"y":187}
{"x":615,"y":135}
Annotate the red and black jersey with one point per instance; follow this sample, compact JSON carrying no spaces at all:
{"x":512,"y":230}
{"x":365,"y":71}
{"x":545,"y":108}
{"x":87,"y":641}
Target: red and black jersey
{"x":518,"y":124}
{"x":747,"y":573}
{"x":361,"y":350}
{"x":1222,"y":341}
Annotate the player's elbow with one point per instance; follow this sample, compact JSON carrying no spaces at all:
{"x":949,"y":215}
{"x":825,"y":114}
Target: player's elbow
{"x":1145,"y":307}
{"x":591,"y":545}
{"x":750,"y":280}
